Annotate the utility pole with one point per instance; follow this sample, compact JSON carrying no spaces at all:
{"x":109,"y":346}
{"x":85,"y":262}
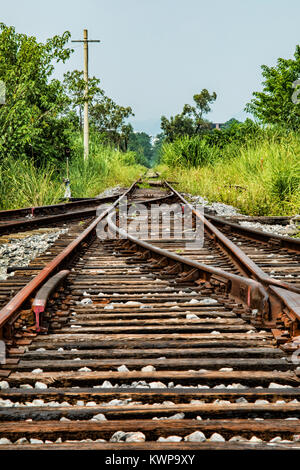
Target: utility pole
{"x":86,"y":91}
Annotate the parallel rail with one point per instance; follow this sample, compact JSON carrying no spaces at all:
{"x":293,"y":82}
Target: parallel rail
{"x":156,"y":343}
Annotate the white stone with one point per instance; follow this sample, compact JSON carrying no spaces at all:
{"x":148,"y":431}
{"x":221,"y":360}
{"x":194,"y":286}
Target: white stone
{"x":276,"y":439}
{"x":191,"y":316}
{"x":135,"y":437}
{"x":106,"y":384}
{"x":177,"y":416}
{"x":170,"y":439}
{"x":241,"y":400}
{"x":116,"y":402}
{"x":208,"y":301}
{"x":240,"y":386}
{"x":255,"y":439}
{"x":37,"y":371}
{"x":196,"y":436}
{"x":157,"y":385}
{"x":22,"y":440}
{"x":37,"y":402}
{"x":123,"y":368}
{"x":99,"y":417}
{"x":4,"y":385}
{"x":84,"y":369}
{"x":40,"y":385}
{"x":36,"y":441}
{"x":148,"y":369}
{"x":226,"y":369}
{"x":25,"y":386}
{"x":4,"y":441}
{"x":216,"y":437}
{"x":275,"y":385}
{"x":118,"y":436}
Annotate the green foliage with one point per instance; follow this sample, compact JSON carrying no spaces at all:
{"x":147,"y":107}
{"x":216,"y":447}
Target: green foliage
{"x":188,"y":152}
{"x":31,"y":121}
{"x":22,"y":184}
{"x":106,"y":167}
{"x":157,"y":149}
{"x":234,"y":132}
{"x":259,"y":177}
{"x":106,"y":117}
{"x":190,"y":122}
{"x":140,"y":143}
{"x":274,"y":105}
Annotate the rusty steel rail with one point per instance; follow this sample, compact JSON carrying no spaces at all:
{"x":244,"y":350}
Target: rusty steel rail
{"x":40,"y":210}
{"x":245,"y":264}
{"x":20,"y":225}
{"x":41,"y":298}
{"x":9,"y":313}
{"x":284,"y":298}
{"x":246,"y":290}
{"x":257,"y":235}
{"x":157,"y":327}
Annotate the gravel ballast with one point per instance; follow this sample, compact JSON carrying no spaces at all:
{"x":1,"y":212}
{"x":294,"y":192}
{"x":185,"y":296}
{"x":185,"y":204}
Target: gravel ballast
{"x":21,"y":251}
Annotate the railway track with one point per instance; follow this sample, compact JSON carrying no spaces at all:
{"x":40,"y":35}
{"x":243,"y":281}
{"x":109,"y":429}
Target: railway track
{"x":145,"y":343}
{"x":32,"y":217}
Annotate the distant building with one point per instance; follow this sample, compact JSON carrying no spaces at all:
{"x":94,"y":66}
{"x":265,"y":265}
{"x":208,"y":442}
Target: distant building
{"x":217,"y":125}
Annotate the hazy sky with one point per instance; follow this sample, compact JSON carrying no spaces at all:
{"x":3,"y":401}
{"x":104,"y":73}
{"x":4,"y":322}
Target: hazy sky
{"x":155,"y":55}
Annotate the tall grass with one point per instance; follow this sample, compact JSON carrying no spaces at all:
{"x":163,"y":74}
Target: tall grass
{"x":22,"y":184}
{"x":260,"y":177}
{"x":189,"y":152}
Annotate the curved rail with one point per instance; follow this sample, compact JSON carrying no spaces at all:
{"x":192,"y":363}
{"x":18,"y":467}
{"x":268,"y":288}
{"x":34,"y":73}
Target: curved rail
{"x":244,"y":262}
{"x":9,"y":312}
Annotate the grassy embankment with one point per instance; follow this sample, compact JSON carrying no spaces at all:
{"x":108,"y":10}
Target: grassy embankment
{"x":24,"y":185}
{"x":259,"y":177}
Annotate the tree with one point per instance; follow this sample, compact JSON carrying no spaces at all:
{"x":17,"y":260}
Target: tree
{"x":140,"y":143}
{"x":274,"y":105}
{"x":32,"y":121}
{"x":106,"y":117}
{"x":191,"y":121}
{"x":75,"y":85}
